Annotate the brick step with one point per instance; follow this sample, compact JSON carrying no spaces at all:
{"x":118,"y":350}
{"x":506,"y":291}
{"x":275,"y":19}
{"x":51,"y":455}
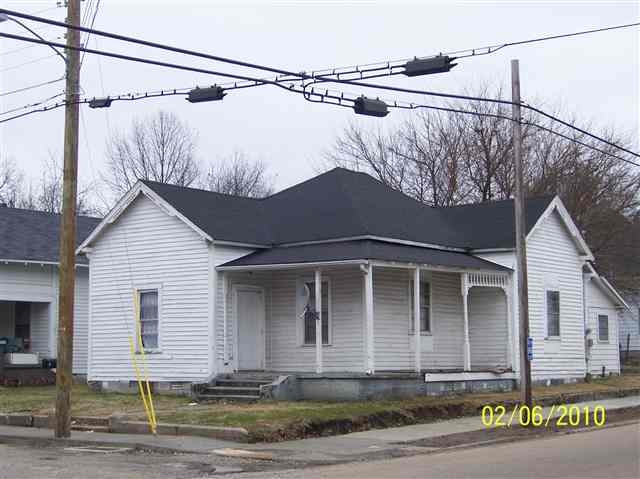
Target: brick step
{"x":232,"y":390}
{"x":227,"y":397}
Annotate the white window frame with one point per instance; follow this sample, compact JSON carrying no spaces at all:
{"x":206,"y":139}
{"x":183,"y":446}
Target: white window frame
{"x":605,"y":341}
{"x":300,"y":309}
{"x":147,"y":289}
{"x":548,"y":290}
{"x":410,"y":294}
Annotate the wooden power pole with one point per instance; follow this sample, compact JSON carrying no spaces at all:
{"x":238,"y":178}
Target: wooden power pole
{"x":64,"y":378}
{"x":521,"y":247}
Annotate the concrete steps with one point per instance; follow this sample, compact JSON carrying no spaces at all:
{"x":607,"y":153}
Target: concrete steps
{"x":242,"y":387}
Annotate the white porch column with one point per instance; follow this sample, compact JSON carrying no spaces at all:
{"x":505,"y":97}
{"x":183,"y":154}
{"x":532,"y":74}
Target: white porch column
{"x":465,"y":308}
{"x":417,"y":336}
{"x":368,"y":314}
{"x":508,"y":299}
{"x":225,"y":328}
{"x":318,"y":306}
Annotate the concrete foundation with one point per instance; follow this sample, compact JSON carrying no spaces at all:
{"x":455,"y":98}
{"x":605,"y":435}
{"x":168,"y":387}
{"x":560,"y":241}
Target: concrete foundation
{"x":376,"y":387}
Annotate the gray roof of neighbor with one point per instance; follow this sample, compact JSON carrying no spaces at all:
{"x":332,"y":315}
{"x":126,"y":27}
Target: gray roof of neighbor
{"x":27,"y":235}
{"x":341,"y":204}
{"x":363,"y":250}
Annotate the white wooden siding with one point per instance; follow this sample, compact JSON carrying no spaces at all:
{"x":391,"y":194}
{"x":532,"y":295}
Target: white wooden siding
{"x":602,"y":353}
{"x":487,"y":328}
{"x":81,"y":321}
{"x":394,"y":346}
{"x":284,"y":351}
{"x":553,"y":261}
{"x":27,"y":282}
{"x":40,"y":341}
{"x":145,"y":247}
{"x":630,"y":324}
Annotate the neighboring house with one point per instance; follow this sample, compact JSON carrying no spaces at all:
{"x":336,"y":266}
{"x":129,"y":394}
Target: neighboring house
{"x":29,"y":285}
{"x":604,"y":308}
{"x":228,"y":284}
{"x":630,"y":324}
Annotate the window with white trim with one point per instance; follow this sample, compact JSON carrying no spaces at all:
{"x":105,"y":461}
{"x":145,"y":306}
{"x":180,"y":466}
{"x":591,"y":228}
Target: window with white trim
{"x":553,"y":313}
{"x":309,"y":316}
{"x":425,"y":306}
{"x":149,"y":319}
{"x":603,"y":328}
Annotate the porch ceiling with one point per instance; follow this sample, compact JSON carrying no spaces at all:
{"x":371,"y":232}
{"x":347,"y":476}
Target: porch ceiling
{"x":363,"y":250}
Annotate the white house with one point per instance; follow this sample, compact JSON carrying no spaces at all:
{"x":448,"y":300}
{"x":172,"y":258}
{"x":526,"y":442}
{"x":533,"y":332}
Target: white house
{"x":29,"y":288}
{"x":229,"y":284}
{"x":630,"y":324}
{"x":604,"y":308}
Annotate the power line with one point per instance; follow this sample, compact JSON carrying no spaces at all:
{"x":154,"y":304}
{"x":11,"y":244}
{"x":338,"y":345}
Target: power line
{"x":303,"y":75}
{"x":20,"y":65}
{"x":93,"y":19}
{"x":344,"y":101}
{"x":389,"y":64}
{"x":31,"y":87}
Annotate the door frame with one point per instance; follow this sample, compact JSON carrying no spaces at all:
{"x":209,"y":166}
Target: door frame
{"x":263,"y":343}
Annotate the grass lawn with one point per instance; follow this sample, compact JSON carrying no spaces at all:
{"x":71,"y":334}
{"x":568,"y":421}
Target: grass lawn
{"x":263,"y":419}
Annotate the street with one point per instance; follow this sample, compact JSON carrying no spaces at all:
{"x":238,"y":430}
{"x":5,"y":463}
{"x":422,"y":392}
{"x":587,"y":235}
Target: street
{"x":613,"y":452}
{"x":608,"y":453}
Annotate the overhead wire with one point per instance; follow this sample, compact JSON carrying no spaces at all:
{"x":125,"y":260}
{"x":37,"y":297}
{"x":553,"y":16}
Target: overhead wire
{"x":300,"y":75}
{"x":303,"y":75}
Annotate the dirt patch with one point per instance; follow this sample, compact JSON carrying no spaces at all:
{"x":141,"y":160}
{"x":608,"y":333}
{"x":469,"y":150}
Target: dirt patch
{"x":518,"y":432}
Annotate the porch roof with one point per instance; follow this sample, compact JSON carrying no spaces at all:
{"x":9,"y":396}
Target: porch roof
{"x":362,"y":250}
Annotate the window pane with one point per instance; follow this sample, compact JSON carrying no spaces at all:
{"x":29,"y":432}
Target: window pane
{"x":603,"y":327}
{"x":425,"y":323}
{"x":310,"y":316}
{"x":309,"y":327}
{"x":149,"y":327}
{"x":553,"y":313}
{"x":150,"y":341}
{"x":149,"y":305}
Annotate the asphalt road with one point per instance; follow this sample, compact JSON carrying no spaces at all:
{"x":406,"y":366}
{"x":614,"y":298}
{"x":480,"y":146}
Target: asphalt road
{"x":608,"y":453}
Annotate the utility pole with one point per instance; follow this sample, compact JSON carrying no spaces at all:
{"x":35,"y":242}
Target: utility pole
{"x":64,"y":379}
{"x":521,"y":247}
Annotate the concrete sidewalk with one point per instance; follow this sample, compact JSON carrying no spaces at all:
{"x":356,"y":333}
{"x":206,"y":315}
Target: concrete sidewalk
{"x":324,"y":449}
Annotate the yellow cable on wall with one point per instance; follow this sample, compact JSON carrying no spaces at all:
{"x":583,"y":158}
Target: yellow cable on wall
{"x":142,"y":375}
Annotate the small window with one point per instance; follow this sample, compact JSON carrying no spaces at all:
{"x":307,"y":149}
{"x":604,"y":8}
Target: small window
{"x":149,"y":319}
{"x":603,"y":328}
{"x":638,"y":320}
{"x":425,"y":307}
{"x":310,"y":314}
{"x":553,"y":313}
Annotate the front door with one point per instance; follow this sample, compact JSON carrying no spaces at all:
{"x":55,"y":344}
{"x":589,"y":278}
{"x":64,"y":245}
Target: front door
{"x":250,"y":323}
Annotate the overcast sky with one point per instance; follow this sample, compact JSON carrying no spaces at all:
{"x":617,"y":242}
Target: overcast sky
{"x":594,"y":77}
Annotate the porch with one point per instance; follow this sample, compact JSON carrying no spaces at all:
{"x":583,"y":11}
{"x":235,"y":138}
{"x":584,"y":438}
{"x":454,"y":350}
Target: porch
{"x":370,"y":309}
{"x":24,"y":343}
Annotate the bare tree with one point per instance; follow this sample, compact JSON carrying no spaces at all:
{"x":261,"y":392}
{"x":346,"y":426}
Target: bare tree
{"x":159,"y":148}
{"x":10,"y":179}
{"x":239,"y":176}
{"x":447,"y":158}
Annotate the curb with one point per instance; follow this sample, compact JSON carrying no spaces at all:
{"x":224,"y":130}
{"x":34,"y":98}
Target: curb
{"x":118,"y":425}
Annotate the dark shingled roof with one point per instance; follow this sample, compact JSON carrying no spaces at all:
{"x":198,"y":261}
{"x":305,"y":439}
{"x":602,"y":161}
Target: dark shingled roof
{"x":340,"y":204}
{"x":27,"y":235}
{"x":363,"y":250}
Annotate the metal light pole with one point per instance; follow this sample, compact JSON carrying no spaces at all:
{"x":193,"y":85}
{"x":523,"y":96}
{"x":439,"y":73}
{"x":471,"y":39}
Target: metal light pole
{"x":521,"y":247}
{"x":64,"y":378}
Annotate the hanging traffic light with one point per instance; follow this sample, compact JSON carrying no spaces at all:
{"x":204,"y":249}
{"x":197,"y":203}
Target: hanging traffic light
{"x":100,"y":102}
{"x":212,"y":93}
{"x":368,"y":106}
{"x":427,"y":66}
